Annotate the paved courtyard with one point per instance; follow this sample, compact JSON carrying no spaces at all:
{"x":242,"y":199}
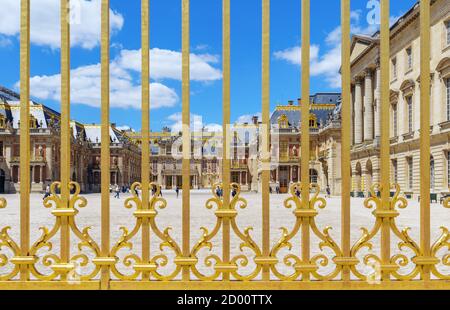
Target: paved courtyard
{"x":201,"y":216}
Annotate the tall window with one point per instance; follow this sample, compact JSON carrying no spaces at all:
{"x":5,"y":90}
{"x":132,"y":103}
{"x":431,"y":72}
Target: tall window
{"x":313,"y":176}
{"x":1,"y":148}
{"x":410,"y":113}
{"x":409,"y":58}
{"x":395,"y":119}
{"x":447,"y":84}
{"x":394,"y":67}
{"x":448,"y":168}
{"x":410,"y":173}
{"x":395,"y":170}
{"x":447,"y":28}
{"x":432,"y":173}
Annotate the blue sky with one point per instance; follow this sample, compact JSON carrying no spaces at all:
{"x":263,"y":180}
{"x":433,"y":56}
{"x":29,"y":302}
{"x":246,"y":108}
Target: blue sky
{"x":165,"y":40}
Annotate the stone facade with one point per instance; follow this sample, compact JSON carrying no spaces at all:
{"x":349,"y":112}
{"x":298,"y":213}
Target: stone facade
{"x":166,"y":150}
{"x":45,"y":149}
{"x":404,"y":104}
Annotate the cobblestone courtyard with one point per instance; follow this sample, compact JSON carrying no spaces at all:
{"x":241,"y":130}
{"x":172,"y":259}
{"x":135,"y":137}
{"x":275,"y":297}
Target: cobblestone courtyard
{"x":201,"y":216}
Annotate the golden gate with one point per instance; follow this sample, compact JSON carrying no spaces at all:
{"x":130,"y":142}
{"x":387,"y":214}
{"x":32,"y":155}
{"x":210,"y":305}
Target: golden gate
{"x":226,"y":273}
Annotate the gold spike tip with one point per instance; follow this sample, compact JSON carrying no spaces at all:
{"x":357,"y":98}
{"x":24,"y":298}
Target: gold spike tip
{"x":266,"y":260}
{"x":226,"y":213}
{"x":305,"y":213}
{"x":24,"y":260}
{"x":185,"y":261}
{"x":105,"y":261}
{"x":346,"y":261}
{"x":230,"y":267}
{"x":145,"y":267}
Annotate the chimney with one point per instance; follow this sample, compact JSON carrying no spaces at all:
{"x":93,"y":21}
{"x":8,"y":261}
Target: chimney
{"x":255,"y":120}
{"x":291,"y":102}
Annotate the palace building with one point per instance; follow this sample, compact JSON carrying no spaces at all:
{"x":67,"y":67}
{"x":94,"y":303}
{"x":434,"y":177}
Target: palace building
{"x":166,"y":150}
{"x":404,"y":104}
{"x":206,"y":164}
{"x":45,"y":149}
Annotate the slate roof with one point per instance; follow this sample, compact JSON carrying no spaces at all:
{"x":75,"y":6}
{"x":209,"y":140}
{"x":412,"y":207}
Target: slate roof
{"x":293,"y":112}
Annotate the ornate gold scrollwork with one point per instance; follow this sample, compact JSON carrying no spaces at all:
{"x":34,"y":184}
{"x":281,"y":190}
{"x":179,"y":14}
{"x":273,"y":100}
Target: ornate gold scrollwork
{"x":135,"y":261}
{"x":227,"y":214}
{"x":406,"y":242}
{"x":53,"y":261}
{"x":7,"y":242}
{"x":326,"y":241}
{"x":442,"y":242}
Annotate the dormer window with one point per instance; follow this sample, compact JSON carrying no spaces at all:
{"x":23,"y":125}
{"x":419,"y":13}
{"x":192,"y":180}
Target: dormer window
{"x":312,"y":121}
{"x":33,"y":122}
{"x":283,"y":121}
{"x":2,"y":121}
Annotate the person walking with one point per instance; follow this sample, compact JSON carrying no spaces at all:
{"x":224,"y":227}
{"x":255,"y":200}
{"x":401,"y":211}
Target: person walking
{"x":233,"y":192}
{"x":177,"y":190}
{"x":47,"y":191}
{"x":117,"y":191}
{"x":328,"y":191}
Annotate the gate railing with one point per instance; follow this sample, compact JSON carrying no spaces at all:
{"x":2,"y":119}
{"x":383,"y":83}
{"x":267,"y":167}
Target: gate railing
{"x":144,"y":268}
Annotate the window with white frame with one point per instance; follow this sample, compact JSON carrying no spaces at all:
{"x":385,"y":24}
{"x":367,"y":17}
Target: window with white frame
{"x":395,"y":119}
{"x":410,"y":172}
{"x":409,"y":106}
{"x":409,"y":58}
{"x":395,"y":170}
{"x":448,"y":168}
{"x":447,"y":31}
{"x":432,"y":172}
{"x":394,"y":67}
{"x":447,"y":84}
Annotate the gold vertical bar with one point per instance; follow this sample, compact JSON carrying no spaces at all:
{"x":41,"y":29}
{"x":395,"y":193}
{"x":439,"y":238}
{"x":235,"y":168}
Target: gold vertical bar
{"x":24,"y":134}
{"x":186,"y":133}
{"x":105,"y":152}
{"x":65,"y":128}
{"x":305,"y":133}
{"x":226,"y":120}
{"x":424,"y":133}
{"x":145,"y":166}
{"x":385,"y":147}
{"x":345,"y":147}
{"x":266,"y":135}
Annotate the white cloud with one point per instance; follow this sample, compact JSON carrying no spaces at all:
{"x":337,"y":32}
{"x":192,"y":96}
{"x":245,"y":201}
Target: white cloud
{"x":86,"y":86}
{"x":176,"y":123}
{"x":5,"y":42}
{"x":327,"y":64}
{"x":247,"y":118}
{"x":45,"y":22}
{"x":166,"y":64}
